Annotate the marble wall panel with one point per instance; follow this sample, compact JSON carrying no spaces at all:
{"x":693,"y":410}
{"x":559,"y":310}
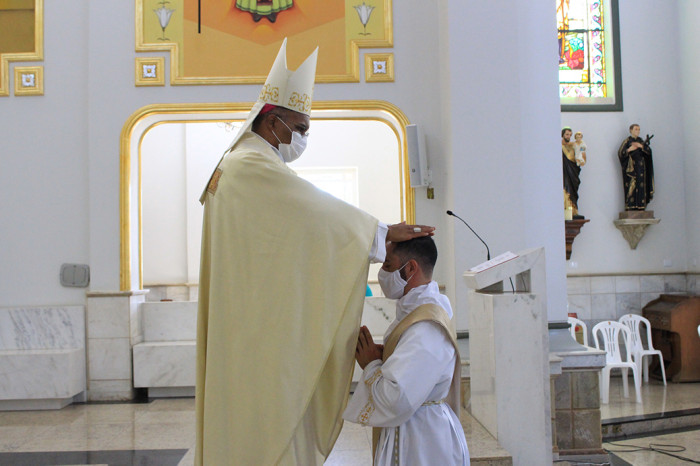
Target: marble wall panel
{"x":165,"y":364}
{"x":155,"y":293}
{"x":627,"y":303}
{"x":603,"y":284}
{"x":578,"y":285}
{"x":42,"y":328}
{"x":581,"y":305}
{"x":377,"y":314}
{"x":106,"y":317}
{"x":603,"y":307}
{"x":135,"y":319}
{"x":586,"y":429}
{"x":177,"y":292}
{"x":651,"y":283}
{"x":109,"y":358}
{"x":41,"y":374}
{"x":169,"y":321}
{"x":627,"y":284}
{"x":675,"y":283}
{"x":110,"y":390}
{"x":693,"y":284}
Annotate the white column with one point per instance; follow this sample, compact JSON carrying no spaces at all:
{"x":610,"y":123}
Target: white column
{"x":501,"y":106}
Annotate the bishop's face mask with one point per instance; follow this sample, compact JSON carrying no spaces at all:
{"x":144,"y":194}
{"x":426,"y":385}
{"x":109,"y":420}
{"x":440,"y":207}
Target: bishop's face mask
{"x":292,"y":151}
{"x":391,"y":283}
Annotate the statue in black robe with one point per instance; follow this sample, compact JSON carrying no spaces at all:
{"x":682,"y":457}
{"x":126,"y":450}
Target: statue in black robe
{"x":637,"y":170}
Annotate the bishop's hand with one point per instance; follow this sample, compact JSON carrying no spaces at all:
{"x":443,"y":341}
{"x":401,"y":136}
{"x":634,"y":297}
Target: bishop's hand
{"x":402,"y":232}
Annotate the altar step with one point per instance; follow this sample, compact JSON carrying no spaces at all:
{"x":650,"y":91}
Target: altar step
{"x":484,"y":450}
{"x":650,"y":424}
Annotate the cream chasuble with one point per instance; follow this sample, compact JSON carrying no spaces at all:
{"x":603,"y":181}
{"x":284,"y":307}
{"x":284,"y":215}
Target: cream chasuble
{"x":282,"y":285}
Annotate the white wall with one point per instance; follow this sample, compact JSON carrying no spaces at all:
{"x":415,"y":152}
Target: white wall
{"x":164,"y":213}
{"x":60,"y":152}
{"x":44,"y":170}
{"x":689,"y":61}
{"x":651,"y":81}
{"x":506,"y":170}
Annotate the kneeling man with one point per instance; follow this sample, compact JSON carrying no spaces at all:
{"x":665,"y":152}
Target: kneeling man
{"x":409,"y":390}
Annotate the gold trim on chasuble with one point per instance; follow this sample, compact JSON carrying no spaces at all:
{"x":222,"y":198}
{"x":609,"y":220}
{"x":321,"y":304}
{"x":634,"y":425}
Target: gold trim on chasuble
{"x":207,"y":57}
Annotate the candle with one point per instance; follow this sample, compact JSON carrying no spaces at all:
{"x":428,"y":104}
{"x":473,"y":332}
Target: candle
{"x":569,"y":213}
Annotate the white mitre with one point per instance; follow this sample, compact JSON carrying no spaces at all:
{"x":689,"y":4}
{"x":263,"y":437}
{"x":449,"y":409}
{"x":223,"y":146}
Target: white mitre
{"x":283,"y":88}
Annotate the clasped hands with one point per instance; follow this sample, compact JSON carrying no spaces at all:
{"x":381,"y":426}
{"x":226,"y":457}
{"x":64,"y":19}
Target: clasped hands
{"x":366,"y":350}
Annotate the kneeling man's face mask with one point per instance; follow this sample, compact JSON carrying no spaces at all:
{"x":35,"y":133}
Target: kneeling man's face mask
{"x":391,"y":282}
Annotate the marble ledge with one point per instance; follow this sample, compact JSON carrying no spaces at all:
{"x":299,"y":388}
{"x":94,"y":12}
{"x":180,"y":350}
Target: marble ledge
{"x":587,"y":358}
{"x":125,"y":294}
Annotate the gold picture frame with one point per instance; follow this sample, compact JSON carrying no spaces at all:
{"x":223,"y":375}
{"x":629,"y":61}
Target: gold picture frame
{"x":205,"y":48}
{"x":149,"y":71}
{"x":29,"y":80}
{"x":379,"y":67}
{"x":33,"y":52}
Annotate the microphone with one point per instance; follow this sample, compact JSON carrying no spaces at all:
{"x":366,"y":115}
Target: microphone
{"x":488,"y":253}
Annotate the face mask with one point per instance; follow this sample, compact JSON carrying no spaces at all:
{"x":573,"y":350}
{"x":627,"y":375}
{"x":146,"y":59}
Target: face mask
{"x":391,"y":283}
{"x":292,"y":151}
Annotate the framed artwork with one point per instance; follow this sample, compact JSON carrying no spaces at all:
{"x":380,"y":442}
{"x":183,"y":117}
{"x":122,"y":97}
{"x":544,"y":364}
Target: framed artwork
{"x":236,"y":41}
{"x":21,"y":38}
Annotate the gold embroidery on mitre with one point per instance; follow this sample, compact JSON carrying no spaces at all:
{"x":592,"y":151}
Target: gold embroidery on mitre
{"x":300,"y":102}
{"x":214,"y":182}
{"x":269,"y":93}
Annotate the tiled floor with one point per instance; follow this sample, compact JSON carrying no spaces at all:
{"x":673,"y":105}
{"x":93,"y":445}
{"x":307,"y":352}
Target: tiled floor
{"x":656,"y":398}
{"x":162,"y":432}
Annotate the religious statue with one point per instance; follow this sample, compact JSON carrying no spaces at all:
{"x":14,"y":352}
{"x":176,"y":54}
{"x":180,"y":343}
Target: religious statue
{"x":572,"y":171}
{"x":637,"y":170}
{"x":579,"y":149}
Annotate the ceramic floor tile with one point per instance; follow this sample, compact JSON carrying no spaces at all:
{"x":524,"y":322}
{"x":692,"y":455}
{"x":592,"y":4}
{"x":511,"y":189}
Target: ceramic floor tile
{"x":683,"y":444}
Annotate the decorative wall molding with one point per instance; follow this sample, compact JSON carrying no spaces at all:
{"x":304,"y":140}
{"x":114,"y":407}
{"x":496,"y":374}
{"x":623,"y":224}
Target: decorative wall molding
{"x":379,"y":67}
{"x":29,"y":80}
{"x":150,"y":71}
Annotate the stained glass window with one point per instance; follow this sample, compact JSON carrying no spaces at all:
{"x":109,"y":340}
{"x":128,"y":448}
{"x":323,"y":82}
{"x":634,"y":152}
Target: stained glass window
{"x":588,"y":55}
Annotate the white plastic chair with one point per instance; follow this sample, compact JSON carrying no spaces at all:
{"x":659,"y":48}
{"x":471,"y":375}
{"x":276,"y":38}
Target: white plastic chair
{"x":611,"y":332}
{"x":576,"y":322}
{"x":634,"y":322}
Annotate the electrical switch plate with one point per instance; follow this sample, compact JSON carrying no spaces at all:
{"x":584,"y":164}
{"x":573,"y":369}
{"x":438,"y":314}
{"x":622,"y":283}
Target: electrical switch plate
{"x":75,"y":275}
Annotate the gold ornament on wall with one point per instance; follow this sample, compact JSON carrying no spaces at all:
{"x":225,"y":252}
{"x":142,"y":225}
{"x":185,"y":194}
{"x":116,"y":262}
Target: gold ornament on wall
{"x":379,"y":67}
{"x":150,"y":71}
{"x":29,"y":80}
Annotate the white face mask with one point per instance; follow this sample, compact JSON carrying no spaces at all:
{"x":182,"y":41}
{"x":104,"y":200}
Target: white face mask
{"x":391,"y":283}
{"x":292,"y":151}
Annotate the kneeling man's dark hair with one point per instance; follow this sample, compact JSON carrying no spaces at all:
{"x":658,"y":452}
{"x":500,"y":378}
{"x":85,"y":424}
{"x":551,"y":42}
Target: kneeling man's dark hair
{"x":422,"y":249}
